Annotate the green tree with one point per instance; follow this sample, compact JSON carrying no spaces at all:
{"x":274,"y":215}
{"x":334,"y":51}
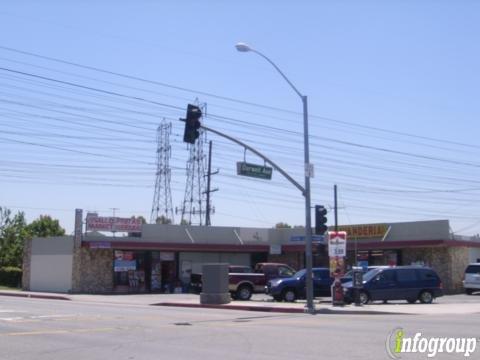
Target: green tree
{"x":143,"y":221}
{"x":282,"y":225}
{"x":13,"y":232}
{"x":163,"y":220}
{"x":141,"y":218}
{"x":45,"y":226}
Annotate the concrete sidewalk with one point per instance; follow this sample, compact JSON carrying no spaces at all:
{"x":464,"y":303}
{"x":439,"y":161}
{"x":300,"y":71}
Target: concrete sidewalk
{"x":322,"y":307}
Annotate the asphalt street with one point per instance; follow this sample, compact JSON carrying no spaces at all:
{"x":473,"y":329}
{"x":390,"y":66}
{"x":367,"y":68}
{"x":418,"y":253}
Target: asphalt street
{"x":53,"y":329}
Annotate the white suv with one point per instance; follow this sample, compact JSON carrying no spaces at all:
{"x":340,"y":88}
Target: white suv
{"x":471,"y":282}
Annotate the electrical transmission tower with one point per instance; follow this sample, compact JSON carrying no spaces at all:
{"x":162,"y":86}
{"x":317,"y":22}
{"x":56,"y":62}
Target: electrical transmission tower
{"x":194,"y":206}
{"x":162,"y":198}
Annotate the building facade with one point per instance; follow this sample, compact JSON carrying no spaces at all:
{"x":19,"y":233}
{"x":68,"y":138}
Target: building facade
{"x":162,"y":257}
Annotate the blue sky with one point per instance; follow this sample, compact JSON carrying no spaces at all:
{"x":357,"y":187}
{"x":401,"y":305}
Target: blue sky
{"x":392,"y":89}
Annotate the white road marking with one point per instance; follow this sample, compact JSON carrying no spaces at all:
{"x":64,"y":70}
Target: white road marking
{"x":37,"y":317}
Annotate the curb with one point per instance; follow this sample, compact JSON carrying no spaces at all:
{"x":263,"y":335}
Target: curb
{"x":35,"y":296}
{"x":234,"y":307}
{"x":277,"y":309}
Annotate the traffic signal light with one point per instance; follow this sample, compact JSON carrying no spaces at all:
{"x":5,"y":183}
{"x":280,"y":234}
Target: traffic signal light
{"x":320,"y":220}
{"x":192,"y":124}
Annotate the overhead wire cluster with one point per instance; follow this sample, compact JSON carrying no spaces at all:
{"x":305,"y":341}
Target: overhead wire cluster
{"x":68,"y":124}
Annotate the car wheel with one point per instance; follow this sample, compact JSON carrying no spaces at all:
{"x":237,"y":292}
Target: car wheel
{"x":289,"y":295}
{"x":411,"y":301}
{"x":364,"y":298}
{"x":469,"y":291}
{"x":425,"y":297}
{"x":244,"y":293}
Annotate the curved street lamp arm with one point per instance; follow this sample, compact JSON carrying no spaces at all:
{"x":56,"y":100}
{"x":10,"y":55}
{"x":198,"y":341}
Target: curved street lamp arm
{"x":280,"y":72}
{"x":267,"y":160}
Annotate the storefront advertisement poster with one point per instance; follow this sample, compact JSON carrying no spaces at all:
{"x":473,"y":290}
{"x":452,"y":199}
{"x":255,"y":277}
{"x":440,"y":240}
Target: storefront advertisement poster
{"x":337,"y":243}
{"x":337,"y":266}
{"x":128,"y":255}
{"x":125,"y":265}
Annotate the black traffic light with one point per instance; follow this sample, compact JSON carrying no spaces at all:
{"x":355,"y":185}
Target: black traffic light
{"x":320,"y":220}
{"x":192,"y":124}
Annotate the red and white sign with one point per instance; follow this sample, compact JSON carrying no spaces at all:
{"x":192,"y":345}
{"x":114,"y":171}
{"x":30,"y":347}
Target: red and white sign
{"x":101,"y":223}
{"x":337,"y":243}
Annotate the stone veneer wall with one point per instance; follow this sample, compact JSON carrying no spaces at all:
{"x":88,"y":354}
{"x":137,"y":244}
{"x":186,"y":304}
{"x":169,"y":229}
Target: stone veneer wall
{"x":27,"y":261}
{"x":448,"y":262}
{"x":459,"y":259}
{"x":92,"y":271}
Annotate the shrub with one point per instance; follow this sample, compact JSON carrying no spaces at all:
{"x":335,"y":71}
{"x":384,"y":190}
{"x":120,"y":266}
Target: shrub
{"x":10,"y":276}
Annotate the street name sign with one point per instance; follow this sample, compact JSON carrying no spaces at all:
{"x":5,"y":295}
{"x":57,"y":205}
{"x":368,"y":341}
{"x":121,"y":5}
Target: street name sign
{"x":253,"y":170}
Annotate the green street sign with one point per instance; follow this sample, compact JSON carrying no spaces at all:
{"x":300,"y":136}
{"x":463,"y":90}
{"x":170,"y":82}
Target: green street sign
{"x":252,"y":170}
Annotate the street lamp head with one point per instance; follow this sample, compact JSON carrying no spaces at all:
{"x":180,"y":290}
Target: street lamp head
{"x":242,"y":47}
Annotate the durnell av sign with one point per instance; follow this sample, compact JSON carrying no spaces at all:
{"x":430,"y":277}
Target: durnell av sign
{"x":252,"y":170}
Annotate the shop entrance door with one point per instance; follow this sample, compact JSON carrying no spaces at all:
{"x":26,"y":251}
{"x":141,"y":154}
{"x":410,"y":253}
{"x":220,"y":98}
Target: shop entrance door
{"x":168,"y":276}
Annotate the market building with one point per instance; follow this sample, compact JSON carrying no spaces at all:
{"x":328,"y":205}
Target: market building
{"x":161,"y":258}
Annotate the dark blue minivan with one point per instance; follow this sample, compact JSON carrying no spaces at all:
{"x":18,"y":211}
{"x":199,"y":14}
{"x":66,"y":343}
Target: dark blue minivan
{"x":410,"y":283}
{"x":292,"y":288}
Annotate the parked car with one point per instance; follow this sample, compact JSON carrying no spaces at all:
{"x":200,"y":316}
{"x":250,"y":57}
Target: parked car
{"x":409,"y":283}
{"x":293,"y":288}
{"x":471,"y":281}
{"x":243,"y":282}
{"x":348,"y":275}
{"x":196,"y":278}
{"x":243,"y":285}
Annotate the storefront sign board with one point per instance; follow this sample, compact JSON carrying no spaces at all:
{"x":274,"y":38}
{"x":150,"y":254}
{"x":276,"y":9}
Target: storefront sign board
{"x":337,"y":243}
{"x":103,"y":223}
{"x":125,"y":265}
{"x":365,"y":231}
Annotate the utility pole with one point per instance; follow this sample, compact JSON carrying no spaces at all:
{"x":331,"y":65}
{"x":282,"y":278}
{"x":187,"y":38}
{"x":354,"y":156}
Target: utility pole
{"x":209,"y":175}
{"x":113,"y":211}
{"x":335,"y":206}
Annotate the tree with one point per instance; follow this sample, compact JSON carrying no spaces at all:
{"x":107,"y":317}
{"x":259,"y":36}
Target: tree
{"x":282,"y":225}
{"x":163,"y":220}
{"x":45,"y":226}
{"x":143,"y":221}
{"x":13,"y":232}
{"x":141,"y":218}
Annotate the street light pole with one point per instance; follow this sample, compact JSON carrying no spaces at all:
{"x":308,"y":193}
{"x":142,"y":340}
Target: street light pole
{"x":310,"y":308}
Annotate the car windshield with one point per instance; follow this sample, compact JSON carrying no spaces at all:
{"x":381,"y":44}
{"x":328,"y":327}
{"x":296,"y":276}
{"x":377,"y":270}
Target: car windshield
{"x":473,"y":269}
{"x":371,"y":274}
{"x":300,"y":273}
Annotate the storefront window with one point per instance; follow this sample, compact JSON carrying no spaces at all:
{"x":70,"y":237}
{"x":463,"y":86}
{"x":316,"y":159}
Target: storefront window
{"x":377,"y":257}
{"x":129,"y":271}
{"x":145,"y":271}
{"x":156,"y":278}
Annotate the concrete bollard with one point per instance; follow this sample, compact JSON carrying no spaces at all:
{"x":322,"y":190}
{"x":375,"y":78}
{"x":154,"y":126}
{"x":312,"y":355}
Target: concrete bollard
{"x":215,"y":284}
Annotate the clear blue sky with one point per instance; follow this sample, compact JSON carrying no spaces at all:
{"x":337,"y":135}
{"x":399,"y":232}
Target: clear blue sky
{"x":392,"y":87}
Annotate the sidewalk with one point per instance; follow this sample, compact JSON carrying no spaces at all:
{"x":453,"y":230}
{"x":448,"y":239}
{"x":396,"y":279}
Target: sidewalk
{"x":264,"y":305}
